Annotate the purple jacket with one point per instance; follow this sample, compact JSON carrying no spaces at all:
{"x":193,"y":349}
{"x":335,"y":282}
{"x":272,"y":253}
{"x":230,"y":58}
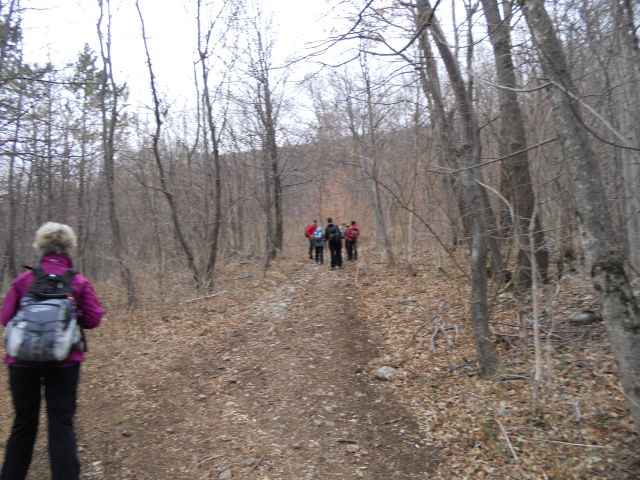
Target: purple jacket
{"x":89,"y":309}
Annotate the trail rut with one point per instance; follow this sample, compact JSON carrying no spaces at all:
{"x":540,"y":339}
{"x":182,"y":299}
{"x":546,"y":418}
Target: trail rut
{"x":274,"y":387}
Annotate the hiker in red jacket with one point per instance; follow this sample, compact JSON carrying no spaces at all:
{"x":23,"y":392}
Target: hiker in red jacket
{"x":352,"y":235}
{"x":309,"y":231}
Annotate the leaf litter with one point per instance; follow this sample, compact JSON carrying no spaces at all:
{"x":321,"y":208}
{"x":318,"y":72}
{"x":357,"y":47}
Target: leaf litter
{"x":274,"y":379}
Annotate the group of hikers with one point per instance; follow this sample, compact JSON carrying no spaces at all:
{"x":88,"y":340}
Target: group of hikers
{"x":333,"y":236}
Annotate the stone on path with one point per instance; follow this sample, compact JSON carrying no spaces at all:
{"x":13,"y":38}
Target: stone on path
{"x":386,"y":373}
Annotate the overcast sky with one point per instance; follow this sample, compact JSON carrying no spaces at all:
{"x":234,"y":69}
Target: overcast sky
{"x":59,"y":29}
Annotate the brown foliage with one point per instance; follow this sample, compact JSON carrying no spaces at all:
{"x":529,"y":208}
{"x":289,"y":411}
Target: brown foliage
{"x":182,"y":390}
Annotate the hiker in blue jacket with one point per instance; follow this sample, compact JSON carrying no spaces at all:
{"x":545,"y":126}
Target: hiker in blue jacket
{"x":318,"y":242}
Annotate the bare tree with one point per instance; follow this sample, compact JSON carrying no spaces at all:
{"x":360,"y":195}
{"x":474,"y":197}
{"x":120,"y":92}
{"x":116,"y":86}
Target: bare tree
{"x":365,"y":122}
{"x":476,"y":206}
{"x":626,"y":72}
{"x":430,"y":81}
{"x":162,"y":175}
{"x":85,"y":84}
{"x":109,"y":99}
{"x":620,"y":309}
{"x":513,"y":144}
{"x":10,"y":29}
{"x":267,"y":108}
{"x":213,"y":135}
{"x":12,"y":193}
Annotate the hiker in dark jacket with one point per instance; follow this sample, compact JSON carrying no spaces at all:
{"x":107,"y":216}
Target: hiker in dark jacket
{"x":54,"y":242}
{"x":351,"y":242}
{"x":334,"y":238}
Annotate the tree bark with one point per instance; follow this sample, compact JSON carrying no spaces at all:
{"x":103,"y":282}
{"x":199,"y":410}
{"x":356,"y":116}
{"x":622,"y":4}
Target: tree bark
{"x":175,"y":218}
{"x":372,"y":168}
{"x":620,"y":309}
{"x":513,"y":139}
{"x":12,"y":193}
{"x":468,"y":152}
{"x":273,"y":180}
{"x":109,"y":123}
{"x":430,"y":81}
{"x":209,"y":273}
{"x":5,"y":34}
{"x":626,"y":72}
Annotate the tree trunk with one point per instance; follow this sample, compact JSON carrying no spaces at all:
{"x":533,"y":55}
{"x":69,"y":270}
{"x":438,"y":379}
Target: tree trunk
{"x":468,"y":130}
{"x":269,"y":246}
{"x":173,"y":208}
{"x":214,"y":234}
{"x":619,"y":308}
{"x":5,"y":34}
{"x":373,"y":171}
{"x":209,"y":273}
{"x":366,"y":155}
{"x":81,"y":200}
{"x":626,"y":72}
{"x":513,"y":139}
{"x":430,"y":82}
{"x":109,"y":123}
{"x":12,"y":193}
{"x":50,"y":202}
{"x":468,"y":152}
{"x":276,"y":176}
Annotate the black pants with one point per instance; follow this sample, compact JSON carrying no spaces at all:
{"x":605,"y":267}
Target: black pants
{"x":311,"y":246}
{"x":60,"y":392}
{"x":352,"y":249}
{"x":320,"y":254}
{"x":336,"y":253}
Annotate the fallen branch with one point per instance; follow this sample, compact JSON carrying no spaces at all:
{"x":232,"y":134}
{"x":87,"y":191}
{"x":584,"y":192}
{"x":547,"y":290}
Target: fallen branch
{"x":506,"y":439}
{"x":257,"y":464}
{"x":346,"y":440}
{"x":586,"y":445}
{"x":513,"y":376}
{"x":443,"y":329}
{"x":412,"y":340}
{"x":222,"y":280}
{"x":434,"y":335}
{"x":457,"y":367}
{"x":203,"y":298}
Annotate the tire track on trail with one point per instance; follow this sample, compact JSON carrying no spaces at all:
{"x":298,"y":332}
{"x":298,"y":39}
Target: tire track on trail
{"x":273,"y":388}
{"x":298,"y":399}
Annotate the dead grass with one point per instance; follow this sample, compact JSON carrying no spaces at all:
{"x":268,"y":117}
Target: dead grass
{"x":155,"y":393}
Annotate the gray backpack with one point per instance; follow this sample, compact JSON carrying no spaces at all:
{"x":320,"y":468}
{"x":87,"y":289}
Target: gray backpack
{"x":45,"y":329}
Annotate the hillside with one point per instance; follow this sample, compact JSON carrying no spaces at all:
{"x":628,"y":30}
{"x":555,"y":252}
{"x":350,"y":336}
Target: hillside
{"x":275,"y":378}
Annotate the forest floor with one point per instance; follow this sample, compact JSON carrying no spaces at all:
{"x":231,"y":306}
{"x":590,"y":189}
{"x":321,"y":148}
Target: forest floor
{"x":274,"y":377}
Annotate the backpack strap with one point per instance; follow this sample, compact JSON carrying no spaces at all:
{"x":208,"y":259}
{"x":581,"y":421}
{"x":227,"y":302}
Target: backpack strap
{"x":67,"y":278}
{"x":41,"y":276}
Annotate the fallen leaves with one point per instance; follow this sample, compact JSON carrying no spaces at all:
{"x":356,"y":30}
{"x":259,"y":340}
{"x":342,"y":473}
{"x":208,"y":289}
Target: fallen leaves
{"x":171,"y":388}
{"x":487,"y":429}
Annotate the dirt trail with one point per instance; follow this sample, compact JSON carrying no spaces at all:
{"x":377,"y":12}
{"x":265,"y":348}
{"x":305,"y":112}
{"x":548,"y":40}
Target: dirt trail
{"x":279,"y":391}
{"x":302,"y":384}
